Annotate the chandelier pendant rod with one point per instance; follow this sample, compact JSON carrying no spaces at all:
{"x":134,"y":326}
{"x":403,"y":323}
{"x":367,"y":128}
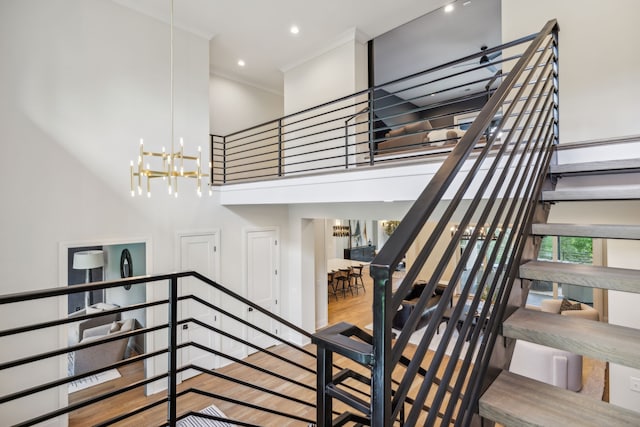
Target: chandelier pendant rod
{"x":172,"y":179}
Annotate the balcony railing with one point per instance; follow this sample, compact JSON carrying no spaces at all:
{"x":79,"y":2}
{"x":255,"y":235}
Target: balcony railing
{"x":415,"y":117}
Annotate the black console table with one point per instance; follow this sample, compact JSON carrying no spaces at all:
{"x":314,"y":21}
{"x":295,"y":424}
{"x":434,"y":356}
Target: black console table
{"x":360,"y":253}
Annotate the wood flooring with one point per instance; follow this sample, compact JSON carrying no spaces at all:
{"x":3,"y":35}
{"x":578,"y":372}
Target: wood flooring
{"x":354,"y":309}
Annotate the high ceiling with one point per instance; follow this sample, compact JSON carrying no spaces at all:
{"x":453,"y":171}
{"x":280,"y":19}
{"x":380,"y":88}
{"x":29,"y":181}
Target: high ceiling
{"x":257,"y":31}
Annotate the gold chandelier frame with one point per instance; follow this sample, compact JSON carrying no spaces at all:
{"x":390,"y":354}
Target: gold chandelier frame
{"x":173,"y":163}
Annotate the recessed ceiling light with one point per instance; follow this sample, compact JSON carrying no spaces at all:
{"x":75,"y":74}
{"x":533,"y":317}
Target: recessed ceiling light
{"x":448,"y":8}
{"x":241,"y":63}
{"x":467,"y":3}
{"x":294,"y":29}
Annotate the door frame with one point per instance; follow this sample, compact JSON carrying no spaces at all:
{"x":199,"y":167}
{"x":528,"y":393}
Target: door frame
{"x":215,"y":232}
{"x":63,"y":250}
{"x":245,"y":269}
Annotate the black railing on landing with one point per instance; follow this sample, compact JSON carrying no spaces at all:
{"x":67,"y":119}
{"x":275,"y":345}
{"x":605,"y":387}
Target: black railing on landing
{"x":469,"y":227}
{"x":413,"y":118}
{"x":275,"y":382}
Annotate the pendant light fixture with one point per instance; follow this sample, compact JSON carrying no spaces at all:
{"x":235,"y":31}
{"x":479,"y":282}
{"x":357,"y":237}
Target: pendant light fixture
{"x":174,"y":164}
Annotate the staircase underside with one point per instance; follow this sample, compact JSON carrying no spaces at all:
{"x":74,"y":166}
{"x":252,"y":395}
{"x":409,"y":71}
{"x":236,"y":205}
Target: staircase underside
{"x":514,"y":400}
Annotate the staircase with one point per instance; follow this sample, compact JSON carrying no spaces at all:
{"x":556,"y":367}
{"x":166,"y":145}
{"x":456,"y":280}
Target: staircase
{"x":513,"y":400}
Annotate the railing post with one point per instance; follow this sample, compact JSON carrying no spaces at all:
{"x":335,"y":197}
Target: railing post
{"x":173,"y":351}
{"x":556,"y":85}
{"x":346,"y":136}
{"x":279,"y":147}
{"x":211,"y":147}
{"x":324,"y":409}
{"x":224,"y":159}
{"x":381,"y":369}
{"x":371,"y":125}
{"x":346,"y":147}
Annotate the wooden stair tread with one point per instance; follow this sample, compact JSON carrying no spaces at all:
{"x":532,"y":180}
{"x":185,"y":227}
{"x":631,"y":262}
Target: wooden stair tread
{"x":614,"y":166}
{"x":601,"y":231}
{"x":602,"y":341}
{"x":587,"y":194}
{"x":618,"y":279}
{"x":514,"y":400}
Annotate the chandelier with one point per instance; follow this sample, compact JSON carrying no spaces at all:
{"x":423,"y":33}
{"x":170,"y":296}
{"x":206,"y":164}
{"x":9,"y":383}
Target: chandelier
{"x":482,"y":234}
{"x":170,"y":166}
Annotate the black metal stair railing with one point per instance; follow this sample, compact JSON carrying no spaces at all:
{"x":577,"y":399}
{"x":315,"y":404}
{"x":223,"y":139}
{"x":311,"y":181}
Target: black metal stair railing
{"x":276,"y":382}
{"x":361,"y":130}
{"x":469,"y":225}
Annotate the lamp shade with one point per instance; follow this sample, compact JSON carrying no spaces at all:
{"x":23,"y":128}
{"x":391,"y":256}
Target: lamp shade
{"x":88,"y":259}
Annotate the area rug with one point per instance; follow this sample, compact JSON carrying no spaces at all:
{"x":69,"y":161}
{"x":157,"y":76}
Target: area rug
{"x":92,"y":380}
{"x":194,"y":421}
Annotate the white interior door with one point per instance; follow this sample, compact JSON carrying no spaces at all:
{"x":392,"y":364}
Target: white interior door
{"x":199,"y":253}
{"x":262,"y":284}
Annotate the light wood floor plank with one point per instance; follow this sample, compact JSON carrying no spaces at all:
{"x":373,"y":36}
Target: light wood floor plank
{"x":355,"y":310}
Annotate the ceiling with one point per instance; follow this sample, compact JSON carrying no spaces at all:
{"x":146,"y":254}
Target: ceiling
{"x":257,"y":31}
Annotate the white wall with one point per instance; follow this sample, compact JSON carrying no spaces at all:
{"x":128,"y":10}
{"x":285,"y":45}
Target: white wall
{"x":236,"y":106}
{"x":328,"y":76}
{"x":338,"y":71}
{"x":81,"y":82}
{"x":599,"y":94}
{"x":599,"y":98}
{"x":623,"y":306}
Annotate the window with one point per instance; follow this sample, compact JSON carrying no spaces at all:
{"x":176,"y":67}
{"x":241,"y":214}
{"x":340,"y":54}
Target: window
{"x":577,"y":250}
{"x":473,"y":256}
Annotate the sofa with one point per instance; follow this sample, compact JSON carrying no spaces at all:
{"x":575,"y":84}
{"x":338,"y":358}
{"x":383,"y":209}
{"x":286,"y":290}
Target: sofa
{"x":546,"y":364}
{"x":417,"y":135}
{"x":556,"y":306}
{"x":104,"y":354}
{"x":109,"y":317}
{"x":408,"y":306}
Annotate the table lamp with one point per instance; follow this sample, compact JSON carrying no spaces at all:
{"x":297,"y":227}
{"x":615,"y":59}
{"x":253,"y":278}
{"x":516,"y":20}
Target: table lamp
{"x":87,"y":260}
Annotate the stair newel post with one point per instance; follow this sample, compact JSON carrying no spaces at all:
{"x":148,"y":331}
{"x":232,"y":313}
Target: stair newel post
{"x":324,"y":371}
{"x":381,"y":369}
{"x":173,"y":351}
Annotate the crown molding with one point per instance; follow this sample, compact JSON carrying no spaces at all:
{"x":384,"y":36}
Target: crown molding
{"x":353,"y":34}
{"x":236,"y":79}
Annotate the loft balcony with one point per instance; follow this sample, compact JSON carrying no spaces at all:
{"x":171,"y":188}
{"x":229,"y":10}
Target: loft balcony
{"x":384,"y":143}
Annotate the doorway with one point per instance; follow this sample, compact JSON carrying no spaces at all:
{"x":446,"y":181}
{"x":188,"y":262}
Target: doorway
{"x":199,"y":252}
{"x":263,"y":283}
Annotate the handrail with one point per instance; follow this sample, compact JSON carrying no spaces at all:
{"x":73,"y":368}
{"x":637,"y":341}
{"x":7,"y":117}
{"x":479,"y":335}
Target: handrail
{"x":414,"y":221}
{"x":512,"y":139}
{"x":395,"y":248}
{"x":173,"y":324}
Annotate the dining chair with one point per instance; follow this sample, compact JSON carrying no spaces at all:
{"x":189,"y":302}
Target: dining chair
{"x":331,"y":281}
{"x":344,"y":281}
{"x":356,"y":274}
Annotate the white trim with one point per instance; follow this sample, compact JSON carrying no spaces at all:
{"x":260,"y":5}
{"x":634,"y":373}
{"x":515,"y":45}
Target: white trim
{"x":206,"y":232}
{"x":215,"y":233}
{"x":245,"y":268}
{"x":352,"y":34}
{"x":63,"y":277}
{"x":234,"y":78}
